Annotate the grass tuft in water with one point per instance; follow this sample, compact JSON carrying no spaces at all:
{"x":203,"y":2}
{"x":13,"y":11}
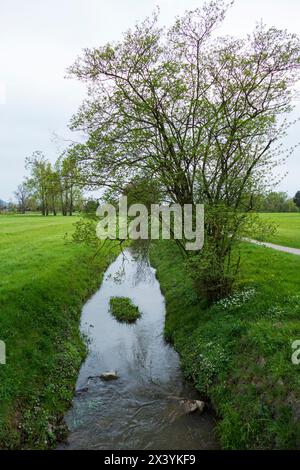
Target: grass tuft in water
{"x":124,"y":310}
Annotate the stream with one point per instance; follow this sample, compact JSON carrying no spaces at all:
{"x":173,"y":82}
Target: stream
{"x":141,"y":409}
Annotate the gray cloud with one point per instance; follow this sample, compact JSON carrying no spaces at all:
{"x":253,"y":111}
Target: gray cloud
{"x":39,"y":40}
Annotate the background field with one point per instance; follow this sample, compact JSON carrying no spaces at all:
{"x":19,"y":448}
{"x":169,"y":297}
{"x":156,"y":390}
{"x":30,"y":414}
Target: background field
{"x":288,"y":228}
{"x":43,"y":283}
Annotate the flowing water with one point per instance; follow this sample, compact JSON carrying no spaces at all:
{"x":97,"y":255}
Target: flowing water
{"x":141,"y":409}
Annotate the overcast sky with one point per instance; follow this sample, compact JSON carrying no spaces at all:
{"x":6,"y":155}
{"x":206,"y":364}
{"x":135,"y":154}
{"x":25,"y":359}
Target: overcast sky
{"x":40,"y":39}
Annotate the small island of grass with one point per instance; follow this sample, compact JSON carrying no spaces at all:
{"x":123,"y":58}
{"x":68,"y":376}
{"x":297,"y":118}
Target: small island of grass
{"x":124,"y":310}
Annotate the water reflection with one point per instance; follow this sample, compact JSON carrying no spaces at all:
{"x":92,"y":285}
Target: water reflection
{"x":140,"y":410}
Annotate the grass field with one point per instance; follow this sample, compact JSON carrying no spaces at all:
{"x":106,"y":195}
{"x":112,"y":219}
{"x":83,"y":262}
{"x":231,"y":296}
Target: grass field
{"x":238,"y":352}
{"x":288,"y":229}
{"x":43,"y":283}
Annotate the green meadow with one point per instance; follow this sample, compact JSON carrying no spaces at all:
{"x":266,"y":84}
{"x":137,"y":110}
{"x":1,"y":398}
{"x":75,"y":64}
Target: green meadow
{"x":287,"y":228}
{"x":237,"y":352}
{"x":44,"y":281}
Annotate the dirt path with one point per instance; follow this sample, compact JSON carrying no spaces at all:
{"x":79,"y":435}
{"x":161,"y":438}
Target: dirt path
{"x":286,"y":249}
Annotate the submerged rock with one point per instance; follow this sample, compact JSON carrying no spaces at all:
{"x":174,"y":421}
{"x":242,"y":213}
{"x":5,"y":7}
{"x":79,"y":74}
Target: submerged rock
{"x":82,"y":390}
{"x":190,"y":406}
{"x":111,"y":375}
{"x":200,"y":405}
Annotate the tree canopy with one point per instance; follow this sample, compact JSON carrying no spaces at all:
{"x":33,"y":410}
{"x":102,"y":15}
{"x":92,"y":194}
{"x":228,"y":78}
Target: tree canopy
{"x":202,"y":115}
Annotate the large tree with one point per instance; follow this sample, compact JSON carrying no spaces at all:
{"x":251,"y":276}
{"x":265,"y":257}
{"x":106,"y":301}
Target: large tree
{"x":201,"y":114}
{"x":22,"y":194}
{"x":69,"y":181}
{"x":39,"y":181}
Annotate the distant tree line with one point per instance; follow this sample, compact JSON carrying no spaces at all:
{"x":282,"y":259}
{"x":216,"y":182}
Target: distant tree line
{"x":296,"y":200}
{"x":50,"y":188}
{"x":279,"y":202}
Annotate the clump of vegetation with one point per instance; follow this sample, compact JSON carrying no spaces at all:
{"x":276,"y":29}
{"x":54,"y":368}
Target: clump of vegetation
{"x":236,"y":300}
{"x":124,"y":310}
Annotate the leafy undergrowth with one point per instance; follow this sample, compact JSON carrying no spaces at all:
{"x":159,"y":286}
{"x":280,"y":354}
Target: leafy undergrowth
{"x":238,"y":351}
{"x":43,"y":284}
{"x":124,"y":310}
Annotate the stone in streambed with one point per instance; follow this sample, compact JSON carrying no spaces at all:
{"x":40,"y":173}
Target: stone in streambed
{"x":190,"y":406}
{"x":200,"y":405}
{"x":82,"y":390}
{"x":111,"y":375}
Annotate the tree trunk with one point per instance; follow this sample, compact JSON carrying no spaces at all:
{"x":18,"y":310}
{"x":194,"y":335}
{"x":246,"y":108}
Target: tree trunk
{"x":71,"y":201}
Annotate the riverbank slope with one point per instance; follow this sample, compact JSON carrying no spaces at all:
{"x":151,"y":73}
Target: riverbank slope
{"x":238,"y":351}
{"x":44,"y":282}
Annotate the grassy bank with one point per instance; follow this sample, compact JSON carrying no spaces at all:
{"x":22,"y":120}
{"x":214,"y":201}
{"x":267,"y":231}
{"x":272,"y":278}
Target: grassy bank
{"x":238,"y":352}
{"x":288,"y":228}
{"x":43,"y":285}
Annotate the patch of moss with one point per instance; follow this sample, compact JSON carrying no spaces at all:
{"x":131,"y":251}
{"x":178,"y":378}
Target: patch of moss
{"x":124,"y":310}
